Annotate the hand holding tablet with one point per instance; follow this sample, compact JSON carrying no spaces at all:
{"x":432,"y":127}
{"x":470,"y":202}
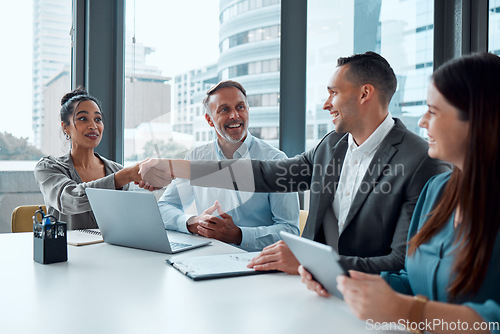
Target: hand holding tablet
{"x":319,"y":259}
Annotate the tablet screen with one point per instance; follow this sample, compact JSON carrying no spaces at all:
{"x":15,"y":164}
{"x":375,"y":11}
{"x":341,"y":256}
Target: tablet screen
{"x":319,"y":259}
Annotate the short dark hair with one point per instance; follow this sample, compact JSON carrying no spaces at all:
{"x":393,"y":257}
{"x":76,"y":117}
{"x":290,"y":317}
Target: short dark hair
{"x":371,"y":68}
{"x":220,"y":85}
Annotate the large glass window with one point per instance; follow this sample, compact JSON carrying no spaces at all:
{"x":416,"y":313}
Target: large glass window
{"x":35,"y":67}
{"x":494,"y":27}
{"x":171,"y":62}
{"x":339,"y":28}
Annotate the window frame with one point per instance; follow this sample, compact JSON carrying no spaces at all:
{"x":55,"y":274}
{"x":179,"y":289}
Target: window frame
{"x":99,"y":46}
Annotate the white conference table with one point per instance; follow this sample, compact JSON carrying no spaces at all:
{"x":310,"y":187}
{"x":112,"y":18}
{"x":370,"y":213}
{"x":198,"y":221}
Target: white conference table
{"x":110,"y":289}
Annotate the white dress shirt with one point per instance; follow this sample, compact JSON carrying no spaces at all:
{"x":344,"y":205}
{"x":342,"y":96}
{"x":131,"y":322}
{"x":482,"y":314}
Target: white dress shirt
{"x":355,"y":167}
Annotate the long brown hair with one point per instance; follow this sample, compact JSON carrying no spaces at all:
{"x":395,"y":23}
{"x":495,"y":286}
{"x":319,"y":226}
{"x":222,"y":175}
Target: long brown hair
{"x":471,"y":85}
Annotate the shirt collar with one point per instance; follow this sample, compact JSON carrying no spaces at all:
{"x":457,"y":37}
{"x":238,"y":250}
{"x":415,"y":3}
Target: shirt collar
{"x":372,"y":143}
{"x":241,"y":152}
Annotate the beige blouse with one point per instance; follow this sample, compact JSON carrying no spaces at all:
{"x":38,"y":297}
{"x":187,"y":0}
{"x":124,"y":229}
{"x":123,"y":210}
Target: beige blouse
{"x":64,"y":192}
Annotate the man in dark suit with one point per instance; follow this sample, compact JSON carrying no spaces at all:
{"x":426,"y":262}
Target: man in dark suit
{"x":364,"y":177}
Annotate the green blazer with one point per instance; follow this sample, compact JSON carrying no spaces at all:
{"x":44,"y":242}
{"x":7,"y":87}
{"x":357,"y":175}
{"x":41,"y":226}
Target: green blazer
{"x":430,"y":270}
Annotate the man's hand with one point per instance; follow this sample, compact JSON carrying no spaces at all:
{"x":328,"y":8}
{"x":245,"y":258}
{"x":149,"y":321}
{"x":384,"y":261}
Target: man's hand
{"x":146,"y":186}
{"x":193,"y":222}
{"x":311,"y":284}
{"x":222,"y":228}
{"x":155,"y":173}
{"x":276,"y":257}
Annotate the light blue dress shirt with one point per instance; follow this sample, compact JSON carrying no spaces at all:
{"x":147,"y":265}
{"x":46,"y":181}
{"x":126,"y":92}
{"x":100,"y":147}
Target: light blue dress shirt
{"x":429,"y":271}
{"x":260,"y":216}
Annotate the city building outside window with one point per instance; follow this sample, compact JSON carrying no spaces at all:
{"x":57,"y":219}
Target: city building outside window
{"x":494,"y":27}
{"x":339,"y":28}
{"x":35,"y":76}
{"x":168,"y":70}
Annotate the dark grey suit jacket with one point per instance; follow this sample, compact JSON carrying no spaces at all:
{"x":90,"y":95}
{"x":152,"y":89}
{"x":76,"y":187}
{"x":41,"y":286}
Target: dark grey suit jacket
{"x":376,"y":228}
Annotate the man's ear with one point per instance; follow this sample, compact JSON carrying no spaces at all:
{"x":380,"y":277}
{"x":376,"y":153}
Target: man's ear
{"x":209,"y":120}
{"x":367,"y":92}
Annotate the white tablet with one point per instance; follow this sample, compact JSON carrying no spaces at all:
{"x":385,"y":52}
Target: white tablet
{"x":319,"y":259}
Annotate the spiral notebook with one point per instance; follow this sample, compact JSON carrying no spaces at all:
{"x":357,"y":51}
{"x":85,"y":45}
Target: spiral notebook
{"x":84,"y":237}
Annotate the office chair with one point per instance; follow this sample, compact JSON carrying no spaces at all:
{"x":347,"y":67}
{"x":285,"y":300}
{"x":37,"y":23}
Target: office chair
{"x":302,"y":219}
{"x":22,"y":218}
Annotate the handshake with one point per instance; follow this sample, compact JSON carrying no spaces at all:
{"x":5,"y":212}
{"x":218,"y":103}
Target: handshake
{"x":153,"y":174}
{"x":158,"y":173}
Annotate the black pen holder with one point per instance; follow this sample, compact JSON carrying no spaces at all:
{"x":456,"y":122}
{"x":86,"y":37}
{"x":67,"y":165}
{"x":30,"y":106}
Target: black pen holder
{"x":49,"y":241}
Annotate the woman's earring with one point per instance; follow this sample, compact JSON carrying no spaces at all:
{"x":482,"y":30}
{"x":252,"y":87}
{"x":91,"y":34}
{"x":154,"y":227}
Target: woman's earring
{"x":68,"y":137}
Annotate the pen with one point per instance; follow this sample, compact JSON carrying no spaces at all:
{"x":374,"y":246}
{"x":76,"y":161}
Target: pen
{"x":47,"y":226}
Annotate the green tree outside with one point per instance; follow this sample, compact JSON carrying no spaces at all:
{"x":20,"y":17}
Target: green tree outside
{"x":14,"y":148}
{"x":170,"y":149}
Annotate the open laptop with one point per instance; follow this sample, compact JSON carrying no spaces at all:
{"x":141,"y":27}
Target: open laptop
{"x":133,"y":219}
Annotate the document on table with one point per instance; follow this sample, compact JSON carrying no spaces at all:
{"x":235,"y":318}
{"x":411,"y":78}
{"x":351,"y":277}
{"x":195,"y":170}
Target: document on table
{"x":216,"y":266}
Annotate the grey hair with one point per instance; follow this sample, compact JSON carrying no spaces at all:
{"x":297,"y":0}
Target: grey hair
{"x":220,"y":85}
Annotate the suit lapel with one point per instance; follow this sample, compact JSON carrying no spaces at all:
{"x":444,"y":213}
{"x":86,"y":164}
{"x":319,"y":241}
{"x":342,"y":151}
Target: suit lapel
{"x":331,"y":179}
{"x":332,"y":176}
{"x":380,"y":160}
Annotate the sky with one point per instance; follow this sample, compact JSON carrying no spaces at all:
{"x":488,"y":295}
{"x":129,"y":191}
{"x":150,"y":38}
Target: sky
{"x":16,"y":19}
{"x":184,"y":35}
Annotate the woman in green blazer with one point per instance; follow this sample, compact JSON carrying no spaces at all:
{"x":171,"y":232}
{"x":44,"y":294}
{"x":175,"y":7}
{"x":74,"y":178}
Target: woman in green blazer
{"x":453,"y":251}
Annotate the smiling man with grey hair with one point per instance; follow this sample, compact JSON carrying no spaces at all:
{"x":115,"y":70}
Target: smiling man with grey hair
{"x":247,"y":220}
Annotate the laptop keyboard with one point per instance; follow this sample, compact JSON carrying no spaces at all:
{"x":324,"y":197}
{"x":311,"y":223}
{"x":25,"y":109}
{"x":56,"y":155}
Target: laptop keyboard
{"x":178,"y":245}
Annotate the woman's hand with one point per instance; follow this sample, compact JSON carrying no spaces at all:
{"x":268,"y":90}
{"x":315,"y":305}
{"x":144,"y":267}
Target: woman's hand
{"x":131,"y":174}
{"x":156,"y":172}
{"x":127,"y":175}
{"x":311,"y":284}
{"x":370,"y":297}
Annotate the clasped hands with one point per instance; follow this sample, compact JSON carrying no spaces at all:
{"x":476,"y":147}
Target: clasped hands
{"x":211,"y":226}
